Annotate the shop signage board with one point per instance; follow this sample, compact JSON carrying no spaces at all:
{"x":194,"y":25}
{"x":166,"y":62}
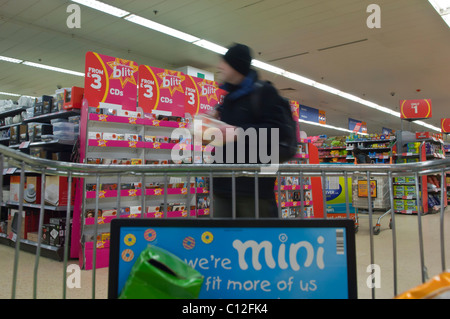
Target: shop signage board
{"x":161,"y":90}
{"x":357,"y":126}
{"x":415,"y":109}
{"x":202,"y":95}
{"x":110,"y":80}
{"x":246,"y":259}
{"x":312,"y":115}
{"x":445,"y":125}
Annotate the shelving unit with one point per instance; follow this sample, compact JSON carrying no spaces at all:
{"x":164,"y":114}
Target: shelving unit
{"x":301,"y":198}
{"x":23,"y":136}
{"x":331,"y":149}
{"x":379,"y":147}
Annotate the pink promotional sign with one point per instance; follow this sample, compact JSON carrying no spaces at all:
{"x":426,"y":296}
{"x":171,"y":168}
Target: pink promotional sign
{"x":110,"y":80}
{"x":161,"y":90}
{"x":202,"y":95}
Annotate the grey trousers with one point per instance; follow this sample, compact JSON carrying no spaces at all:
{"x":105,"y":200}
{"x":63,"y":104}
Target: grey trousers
{"x":245,"y":207}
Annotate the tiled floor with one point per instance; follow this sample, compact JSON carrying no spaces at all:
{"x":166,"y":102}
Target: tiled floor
{"x":50,"y":275}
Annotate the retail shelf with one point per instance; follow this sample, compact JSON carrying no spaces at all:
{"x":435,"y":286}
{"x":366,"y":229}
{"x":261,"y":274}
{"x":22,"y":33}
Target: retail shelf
{"x":134,"y":121}
{"x":146,"y":145}
{"x":148,"y":192}
{"x":296,"y":203}
{"x":405,"y":197}
{"x":48,"y":251}
{"x":50,"y":116}
{"x":292,"y":187}
{"x":171,"y":214}
{"x":12,"y":111}
{"x":301,"y":156}
{"x":36,"y":206}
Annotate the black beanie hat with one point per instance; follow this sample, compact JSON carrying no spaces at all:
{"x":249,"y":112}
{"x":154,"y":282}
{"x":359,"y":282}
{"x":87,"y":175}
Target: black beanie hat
{"x":239,"y":58}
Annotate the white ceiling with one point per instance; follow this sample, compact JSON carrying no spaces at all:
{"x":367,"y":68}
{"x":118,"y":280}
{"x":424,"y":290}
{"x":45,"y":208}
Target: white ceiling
{"x":325,"y":40}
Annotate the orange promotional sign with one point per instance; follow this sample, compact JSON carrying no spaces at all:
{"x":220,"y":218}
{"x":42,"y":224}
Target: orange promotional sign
{"x":415,"y":109}
{"x":445,"y":125}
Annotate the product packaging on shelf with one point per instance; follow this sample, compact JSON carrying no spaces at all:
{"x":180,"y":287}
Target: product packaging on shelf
{"x":56,"y":190}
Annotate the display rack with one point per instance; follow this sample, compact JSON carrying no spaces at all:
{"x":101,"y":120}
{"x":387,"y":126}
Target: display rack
{"x":331,"y":149}
{"x":379,"y":147}
{"x":301,"y":197}
{"x":34,"y":128}
{"x":136,"y":127}
{"x":410,"y":148}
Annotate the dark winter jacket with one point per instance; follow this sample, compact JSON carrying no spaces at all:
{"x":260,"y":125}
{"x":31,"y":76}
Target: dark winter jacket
{"x":237,"y":110}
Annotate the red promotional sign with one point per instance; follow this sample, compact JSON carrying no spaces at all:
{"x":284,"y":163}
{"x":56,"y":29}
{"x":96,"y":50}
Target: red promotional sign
{"x":110,"y":80}
{"x":415,"y":109}
{"x":162,"y":90}
{"x":202,"y":95}
{"x":445,"y":125}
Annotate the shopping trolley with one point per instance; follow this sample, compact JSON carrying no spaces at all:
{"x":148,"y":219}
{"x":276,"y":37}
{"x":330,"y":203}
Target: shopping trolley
{"x":362,"y":176}
{"x":378,"y":200}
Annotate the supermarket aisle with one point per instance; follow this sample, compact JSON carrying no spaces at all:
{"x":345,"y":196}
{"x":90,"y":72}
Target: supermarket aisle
{"x":51,"y":272}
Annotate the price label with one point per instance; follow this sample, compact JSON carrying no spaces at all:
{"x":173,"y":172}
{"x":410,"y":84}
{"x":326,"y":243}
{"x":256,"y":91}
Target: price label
{"x":445,"y":125}
{"x":415,"y":109}
{"x":110,"y":80}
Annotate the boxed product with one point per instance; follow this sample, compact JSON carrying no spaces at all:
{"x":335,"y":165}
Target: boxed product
{"x":109,"y":136}
{"x":14,"y":187}
{"x":32,"y":190}
{"x":57,"y":231}
{"x":410,"y":179}
{"x":95,"y":135}
{"x":23,"y":133}
{"x":45,"y":237}
{"x":133,"y":137}
{"x":36,"y":130}
{"x":410,"y":190}
{"x":399,"y":204}
{"x":399,"y":191}
{"x":43,"y":105}
{"x":153,"y":209}
{"x":33,"y":236}
{"x":73,"y":98}
{"x":410,"y":204}
{"x":30,"y":222}
{"x":14,"y":135}
{"x":56,"y":190}
{"x":135,"y":210}
{"x":128,"y":113}
{"x":109,"y":212}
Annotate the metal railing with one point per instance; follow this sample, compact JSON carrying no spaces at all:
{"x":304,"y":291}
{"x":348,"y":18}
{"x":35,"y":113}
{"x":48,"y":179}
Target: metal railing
{"x":13,"y":158}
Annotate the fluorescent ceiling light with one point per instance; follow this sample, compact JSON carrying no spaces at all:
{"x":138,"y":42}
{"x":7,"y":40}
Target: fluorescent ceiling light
{"x":327,"y":88}
{"x":12,"y":60}
{"x":211,"y":46}
{"x":9,"y":94}
{"x":332,"y":127}
{"x":267,"y":67}
{"x":443,"y":8}
{"x":103,"y":7}
{"x":428,"y":125}
{"x":52,"y":68}
{"x":161,"y":28}
{"x":299,"y":78}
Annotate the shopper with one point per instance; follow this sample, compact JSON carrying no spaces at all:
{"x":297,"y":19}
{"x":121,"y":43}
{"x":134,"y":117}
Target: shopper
{"x":238,"y":111}
{"x":361,"y":157}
